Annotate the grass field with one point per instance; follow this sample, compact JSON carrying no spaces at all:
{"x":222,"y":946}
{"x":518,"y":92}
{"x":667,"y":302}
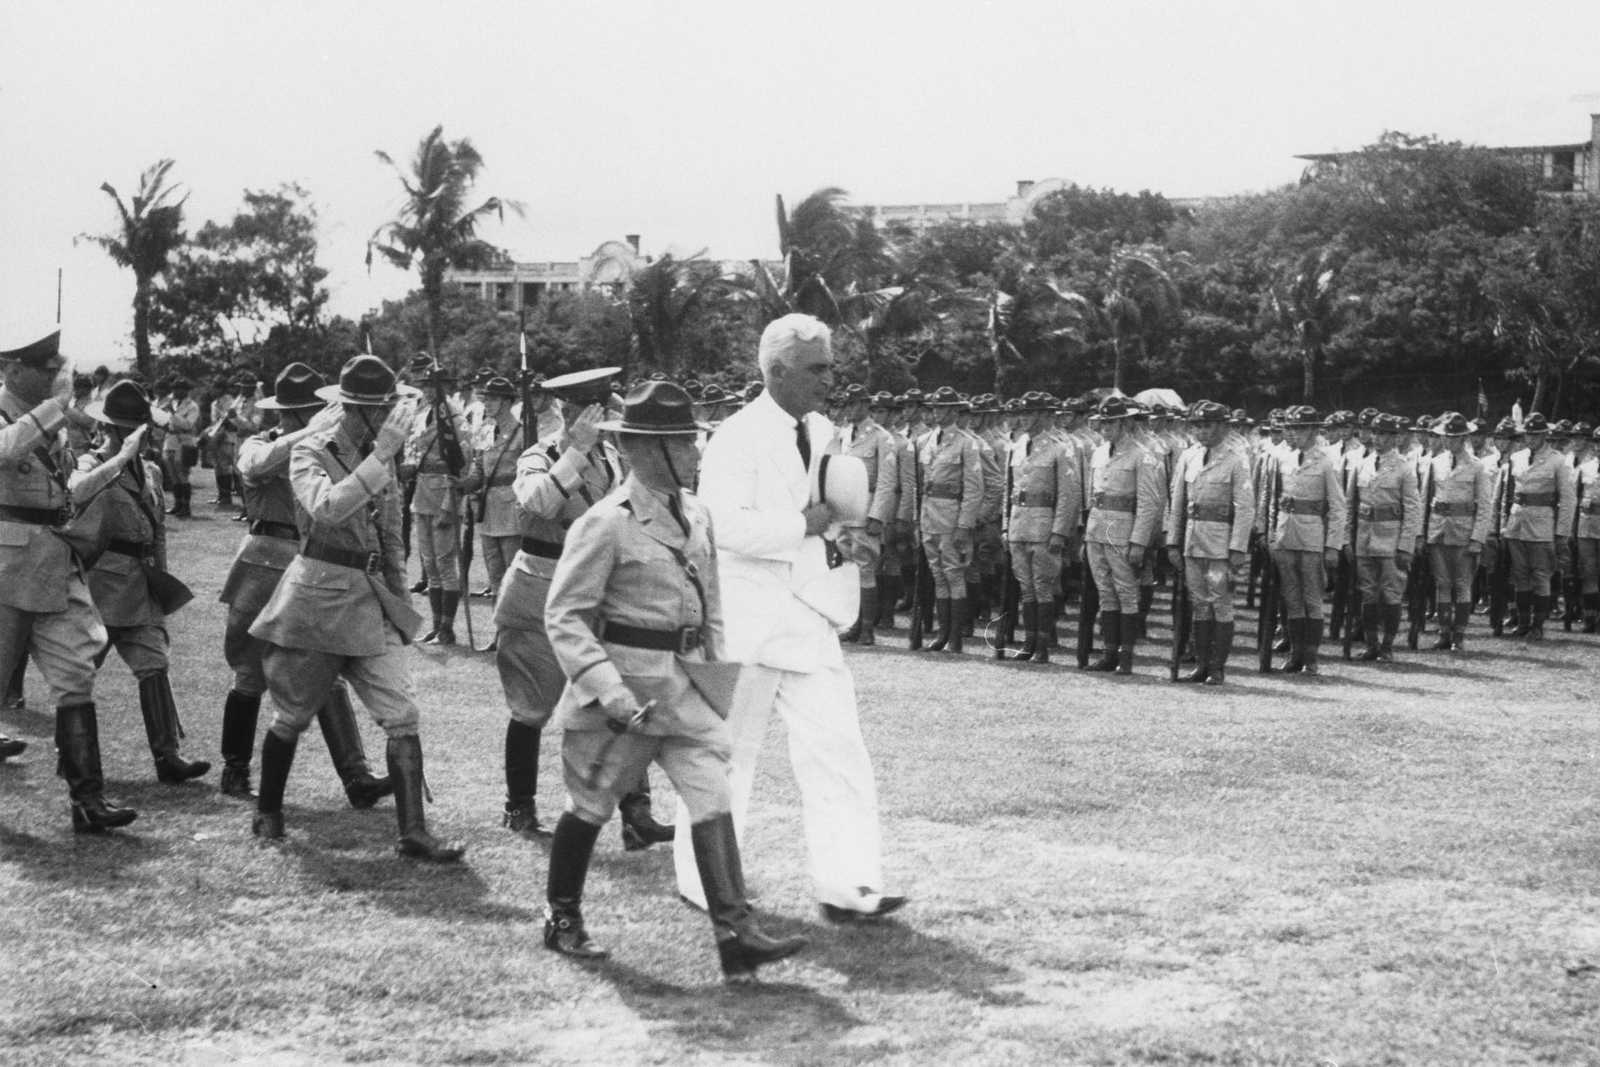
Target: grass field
{"x":1386,"y":865}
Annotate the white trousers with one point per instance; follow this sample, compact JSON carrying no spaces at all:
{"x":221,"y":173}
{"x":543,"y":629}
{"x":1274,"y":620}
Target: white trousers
{"x":838,"y":797}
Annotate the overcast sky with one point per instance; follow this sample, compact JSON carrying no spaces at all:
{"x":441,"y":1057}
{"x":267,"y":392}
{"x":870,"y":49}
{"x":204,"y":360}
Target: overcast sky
{"x":679,"y":121}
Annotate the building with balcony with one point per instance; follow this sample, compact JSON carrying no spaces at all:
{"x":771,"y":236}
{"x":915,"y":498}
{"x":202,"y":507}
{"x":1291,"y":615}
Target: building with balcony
{"x":511,"y":287}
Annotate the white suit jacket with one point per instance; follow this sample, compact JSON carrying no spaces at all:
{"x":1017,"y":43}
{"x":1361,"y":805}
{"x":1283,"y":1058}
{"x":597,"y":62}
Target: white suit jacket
{"x":756,"y":488}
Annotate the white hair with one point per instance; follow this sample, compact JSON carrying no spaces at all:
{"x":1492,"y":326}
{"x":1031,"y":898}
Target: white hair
{"x":784,"y":337}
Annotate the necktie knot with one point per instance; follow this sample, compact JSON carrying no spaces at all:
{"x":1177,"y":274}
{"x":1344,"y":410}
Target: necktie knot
{"x":802,"y":442}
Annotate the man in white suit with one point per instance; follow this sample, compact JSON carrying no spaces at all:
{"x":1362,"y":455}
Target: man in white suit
{"x":755,"y":481}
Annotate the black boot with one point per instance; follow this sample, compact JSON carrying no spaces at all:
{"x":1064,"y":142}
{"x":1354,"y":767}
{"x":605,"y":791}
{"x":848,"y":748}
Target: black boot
{"x":1391,"y":626}
{"x":1110,"y":639}
{"x":224,"y":491}
{"x":1370,"y":622}
{"x":972,"y":607}
{"x":342,"y":734}
{"x":1044,"y":637}
{"x":960,"y":624}
{"x":570,"y":850}
{"x":639,"y":827}
{"x":78,"y":749}
{"x":742,"y":945}
{"x":1295,"y":631}
{"x":1458,"y":631}
{"x":239,"y":715}
{"x":15,"y":686}
{"x":1028,"y":611}
{"x":522,"y":780}
{"x":888,"y":598}
{"x":1447,"y":619}
{"x":405,"y":768}
{"x":277,"y":756}
{"x":436,"y":606}
{"x":1524,"y":613}
{"x":1129,"y":630}
{"x":449,"y":600}
{"x":162,"y":728}
{"x":868,"y":617}
{"x":1147,"y":597}
{"x":1541,"y":612}
{"x":941,"y":615}
{"x":1591,"y":613}
{"x":1204,"y":631}
{"x":1221,"y":648}
{"x":1312,"y":649}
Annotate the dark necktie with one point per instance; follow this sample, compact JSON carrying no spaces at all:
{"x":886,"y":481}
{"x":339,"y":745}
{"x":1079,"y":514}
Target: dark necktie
{"x":802,"y":441}
{"x":675,"y":506}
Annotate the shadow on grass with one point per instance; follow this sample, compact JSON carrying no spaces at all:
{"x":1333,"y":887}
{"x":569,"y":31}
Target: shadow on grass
{"x":93,"y":860}
{"x":34,"y":724}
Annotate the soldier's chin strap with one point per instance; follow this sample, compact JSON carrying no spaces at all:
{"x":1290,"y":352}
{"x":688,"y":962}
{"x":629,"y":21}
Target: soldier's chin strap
{"x":366,"y":412}
{"x":672,"y":468}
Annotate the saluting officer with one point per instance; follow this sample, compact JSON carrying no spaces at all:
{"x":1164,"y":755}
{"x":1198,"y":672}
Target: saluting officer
{"x":269,"y":546}
{"x":875,"y":447}
{"x":45,"y":609}
{"x":1388,"y":525}
{"x":1209,"y":521}
{"x":1310,"y":534}
{"x":436,"y":506}
{"x":180,"y":416}
{"x":1127,"y":502}
{"x":1458,"y":526}
{"x":952,"y":503}
{"x":1538,"y":529}
{"x":342,"y":607}
{"x":133,"y":539}
{"x":1045,"y":512}
{"x":497,"y":445}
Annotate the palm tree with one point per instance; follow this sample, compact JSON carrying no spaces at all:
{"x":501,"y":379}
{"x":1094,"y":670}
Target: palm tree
{"x":1306,"y":304}
{"x":152,"y":229}
{"x":434,"y":229}
{"x":1038,"y":313}
{"x":1139,"y":294}
{"x":833,"y":263}
{"x":664,"y":296}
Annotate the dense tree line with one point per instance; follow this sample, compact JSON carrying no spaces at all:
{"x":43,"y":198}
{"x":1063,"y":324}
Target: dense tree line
{"x":1409,"y":275}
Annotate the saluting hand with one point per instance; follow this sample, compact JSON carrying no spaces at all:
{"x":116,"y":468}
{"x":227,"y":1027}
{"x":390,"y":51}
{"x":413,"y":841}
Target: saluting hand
{"x":396,"y":429}
{"x":584,"y":432}
{"x":327,"y":418}
{"x":131,"y":445}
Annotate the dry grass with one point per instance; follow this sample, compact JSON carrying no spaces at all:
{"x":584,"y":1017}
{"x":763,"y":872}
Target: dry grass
{"x":1385,"y":866}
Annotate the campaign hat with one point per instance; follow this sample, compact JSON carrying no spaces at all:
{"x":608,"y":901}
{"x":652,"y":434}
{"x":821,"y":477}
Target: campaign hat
{"x":1452,"y":424}
{"x":1507,"y":427}
{"x":424,"y":368}
{"x":1116,"y":407}
{"x":656,"y":409}
{"x":1301,"y":415}
{"x":125,"y":405}
{"x":944,"y":397}
{"x":1535,"y":423}
{"x":1208,"y":411}
{"x":366,"y":381}
{"x":498,"y":386}
{"x":296,"y":387}
{"x":1394,"y":424}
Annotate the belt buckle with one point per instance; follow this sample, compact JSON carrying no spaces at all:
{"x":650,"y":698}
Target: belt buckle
{"x":63,"y":515}
{"x":688,"y":639}
{"x":374,"y":563}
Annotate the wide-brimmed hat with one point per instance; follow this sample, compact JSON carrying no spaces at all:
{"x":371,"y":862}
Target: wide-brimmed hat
{"x":366,"y":380}
{"x":1207,"y":411}
{"x":594,"y":383}
{"x":1535,"y":423}
{"x":943,"y":397}
{"x":125,"y":405}
{"x":656,"y":409}
{"x":1301,"y":416}
{"x":295,"y":388}
{"x":1116,"y":407}
{"x":1391,"y":424}
{"x":498,"y":387}
{"x":1452,"y":424}
{"x":1507,"y":427}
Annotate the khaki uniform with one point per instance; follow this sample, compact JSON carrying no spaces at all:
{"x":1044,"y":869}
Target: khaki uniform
{"x":631,"y":563}
{"x":182,"y":440}
{"x":1126,"y":504}
{"x":436,"y":508}
{"x":1543,"y":503}
{"x":952,"y":494}
{"x":270,"y":545}
{"x":1211,"y":513}
{"x":1046,"y":501}
{"x":342,"y":607}
{"x":1586,"y":491}
{"x":1388,"y":522}
{"x":876,"y":448}
{"x":129,"y":512}
{"x":499,"y":519}
{"x":1311,"y":518}
{"x":1458,"y":517}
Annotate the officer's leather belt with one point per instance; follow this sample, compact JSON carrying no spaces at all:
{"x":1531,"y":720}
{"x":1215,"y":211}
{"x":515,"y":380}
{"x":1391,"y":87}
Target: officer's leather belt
{"x":1210,"y":512}
{"x":500,"y":481}
{"x":1455,"y":507}
{"x":544,"y":549}
{"x":939,"y":493}
{"x":1036,"y":500}
{"x":1591,"y":507}
{"x":283,"y":531}
{"x":136,"y":549}
{"x":371,"y":562}
{"x":1536,"y":500}
{"x":684,"y":639}
{"x":1380,"y":513}
{"x":1297,"y":506}
{"x":1115,"y":502}
{"x":36,"y":516}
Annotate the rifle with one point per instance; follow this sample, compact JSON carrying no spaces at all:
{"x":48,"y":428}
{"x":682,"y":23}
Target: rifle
{"x":1500,"y":584}
{"x":1006,"y":629}
{"x":1267,"y":617}
{"x":1420,"y":580}
{"x":918,"y":555}
{"x":449,"y":442}
{"x":1352,"y":572}
{"x":1572,"y":585}
{"x":1180,"y":604}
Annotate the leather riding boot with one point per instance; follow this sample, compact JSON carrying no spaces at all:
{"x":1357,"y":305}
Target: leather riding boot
{"x":1044,"y":638}
{"x":742,"y":945}
{"x":522,"y":780}
{"x":941,"y":615}
{"x":570,"y":850}
{"x":436,"y":606}
{"x":1524,"y":613}
{"x":1391,"y":626}
{"x":906,"y":587}
{"x":868,"y":617}
{"x":1591,"y":612}
{"x":162,"y":728}
{"x":15,"y":688}
{"x":1147,"y":597}
{"x":1204,"y":634}
{"x":1458,"y":630}
{"x":849,"y":636}
{"x":240,"y":711}
{"x":960,"y":623}
{"x":1447,"y":619}
{"x":1221,"y":648}
{"x":1311,"y":648}
{"x":1110,"y":638}
{"x":1129,"y":630}
{"x":449,"y":600}
{"x":277,"y":756}
{"x":1541,"y":612}
{"x":1294,"y":631}
{"x":972,"y":605}
{"x":1370,"y":622}
{"x":342,"y":734}
{"x":78,"y":761}
{"x":405,"y":768}
{"x":1028,"y":611}
{"x":224,"y":491}
{"x":639,"y":827}
{"x":888,"y":597}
